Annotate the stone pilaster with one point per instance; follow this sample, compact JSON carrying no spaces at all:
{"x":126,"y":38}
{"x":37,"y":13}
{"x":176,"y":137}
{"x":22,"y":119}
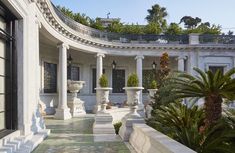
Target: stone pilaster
{"x":181,"y":64}
{"x":194,"y":39}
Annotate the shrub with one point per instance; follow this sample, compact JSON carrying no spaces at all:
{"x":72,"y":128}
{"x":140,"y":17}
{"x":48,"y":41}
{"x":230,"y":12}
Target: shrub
{"x":186,"y":125}
{"x":132,"y":80}
{"x":153,"y":84}
{"x":103,"y":81}
{"x":117,"y":127}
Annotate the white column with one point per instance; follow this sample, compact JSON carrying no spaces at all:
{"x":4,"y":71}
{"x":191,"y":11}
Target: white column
{"x":99,"y":67}
{"x":62,"y":112}
{"x":99,"y":72}
{"x":181,"y":66}
{"x":139,"y":72}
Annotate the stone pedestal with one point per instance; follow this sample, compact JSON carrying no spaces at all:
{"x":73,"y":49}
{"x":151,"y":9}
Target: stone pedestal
{"x":103,"y":124}
{"x":127,"y":125}
{"x":63,"y":113}
{"x":76,"y":105}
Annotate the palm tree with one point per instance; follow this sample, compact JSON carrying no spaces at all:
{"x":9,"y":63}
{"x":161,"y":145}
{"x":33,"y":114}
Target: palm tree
{"x":157,"y":15}
{"x":213,"y":87}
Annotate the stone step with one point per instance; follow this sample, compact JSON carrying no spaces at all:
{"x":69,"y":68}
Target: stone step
{"x":24,"y":144}
{"x":6,"y":150}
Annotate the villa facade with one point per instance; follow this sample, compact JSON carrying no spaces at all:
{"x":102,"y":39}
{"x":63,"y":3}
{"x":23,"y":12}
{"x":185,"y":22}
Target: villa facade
{"x":36,"y":42}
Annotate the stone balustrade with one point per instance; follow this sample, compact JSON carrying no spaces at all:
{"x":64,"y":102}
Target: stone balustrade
{"x":145,"y":139}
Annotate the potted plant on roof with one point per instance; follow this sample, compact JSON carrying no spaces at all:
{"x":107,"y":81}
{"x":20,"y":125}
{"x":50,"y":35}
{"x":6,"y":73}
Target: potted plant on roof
{"x":133,"y":93}
{"x":103,"y":93}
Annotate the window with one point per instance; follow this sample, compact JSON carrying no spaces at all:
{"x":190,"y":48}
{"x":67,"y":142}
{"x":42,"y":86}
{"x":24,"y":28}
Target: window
{"x":118,"y":81}
{"x":50,"y":78}
{"x":73,"y":73}
{"x":148,"y":77}
{"x":94,"y":80}
{"x":213,"y":69}
{"x":8,"y":72}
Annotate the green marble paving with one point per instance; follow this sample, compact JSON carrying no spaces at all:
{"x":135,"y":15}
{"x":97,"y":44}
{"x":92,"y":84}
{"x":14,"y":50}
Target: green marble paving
{"x":75,"y":136}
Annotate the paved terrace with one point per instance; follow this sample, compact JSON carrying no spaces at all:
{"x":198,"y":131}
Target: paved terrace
{"x":75,"y":136}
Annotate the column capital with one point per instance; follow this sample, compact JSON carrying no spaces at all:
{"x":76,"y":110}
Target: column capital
{"x":37,"y":21}
{"x":139,"y":57}
{"x":100,"y":55}
{"x":63,"y":45}
{"x":181,"y":57}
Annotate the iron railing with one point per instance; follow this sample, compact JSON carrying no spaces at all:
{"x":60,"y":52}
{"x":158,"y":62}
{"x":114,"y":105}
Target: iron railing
{"x":217,"y":39}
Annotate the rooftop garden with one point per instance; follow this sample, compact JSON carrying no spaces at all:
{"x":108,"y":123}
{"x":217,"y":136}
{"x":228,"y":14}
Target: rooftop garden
{"x":156,"y":23}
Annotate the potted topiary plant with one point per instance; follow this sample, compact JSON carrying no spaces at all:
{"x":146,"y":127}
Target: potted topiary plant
{"x":133,"y":95}
{"x":153,"y":89}
{"x":133,"y":92}
{"x":103,"y":93}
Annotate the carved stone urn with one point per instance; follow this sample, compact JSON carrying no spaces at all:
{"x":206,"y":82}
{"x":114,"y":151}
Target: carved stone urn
{"x":75,"y":104}
{"x":102,"y":98}
{"x":151,"y":95}
{"x":133,"y":95}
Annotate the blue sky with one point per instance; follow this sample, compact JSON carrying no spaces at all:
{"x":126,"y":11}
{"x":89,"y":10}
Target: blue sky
{"x":220,"y":12}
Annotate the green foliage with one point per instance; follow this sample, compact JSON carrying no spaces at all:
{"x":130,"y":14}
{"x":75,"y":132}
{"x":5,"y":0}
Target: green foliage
{"x":186,"y":125}
{"x":117,"y":127}
{"x":82,"y":18}
{"x":157,"y":14}
{"x":174,"y":29}
{"x":212,"y":87}
{"x":96,"y":24}
{"x":152,"y":28}
{"x":132,"y":80}
{"x":115,"y":26}
{"x":180,"y":123}
{"x":132,"y":29}
{"x":190,"y":22}
{"x":204,"y":29}
{"x":153,"y":84}
{"x":103,"y":81}
{"x":66,"y":11}
{"x":157,"y":24}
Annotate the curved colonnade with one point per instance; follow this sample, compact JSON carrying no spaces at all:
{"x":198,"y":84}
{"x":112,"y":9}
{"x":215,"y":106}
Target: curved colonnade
{"x":39,"y":25}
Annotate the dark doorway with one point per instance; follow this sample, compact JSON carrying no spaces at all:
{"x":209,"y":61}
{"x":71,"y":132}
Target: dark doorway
{"x":8,"y":77}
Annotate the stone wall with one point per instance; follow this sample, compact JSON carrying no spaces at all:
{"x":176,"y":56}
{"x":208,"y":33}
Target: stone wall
{"x":145,"y":139}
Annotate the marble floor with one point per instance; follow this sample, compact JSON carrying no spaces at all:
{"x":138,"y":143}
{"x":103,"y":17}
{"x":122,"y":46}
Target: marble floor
{"x":75,"y":136}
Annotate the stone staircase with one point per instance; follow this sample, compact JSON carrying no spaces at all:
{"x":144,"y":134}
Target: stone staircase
{"x":14,"y":143}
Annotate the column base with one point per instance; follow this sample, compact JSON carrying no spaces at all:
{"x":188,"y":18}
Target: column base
{"x":96,"y":109}
{"x":62,"y":114}
{"x":103,"y":124}
{"x":77,"y":107}
{"x":127,"y":126}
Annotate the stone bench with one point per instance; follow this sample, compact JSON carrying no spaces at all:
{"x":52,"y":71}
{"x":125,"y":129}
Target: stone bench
{"x":145,"y":139}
